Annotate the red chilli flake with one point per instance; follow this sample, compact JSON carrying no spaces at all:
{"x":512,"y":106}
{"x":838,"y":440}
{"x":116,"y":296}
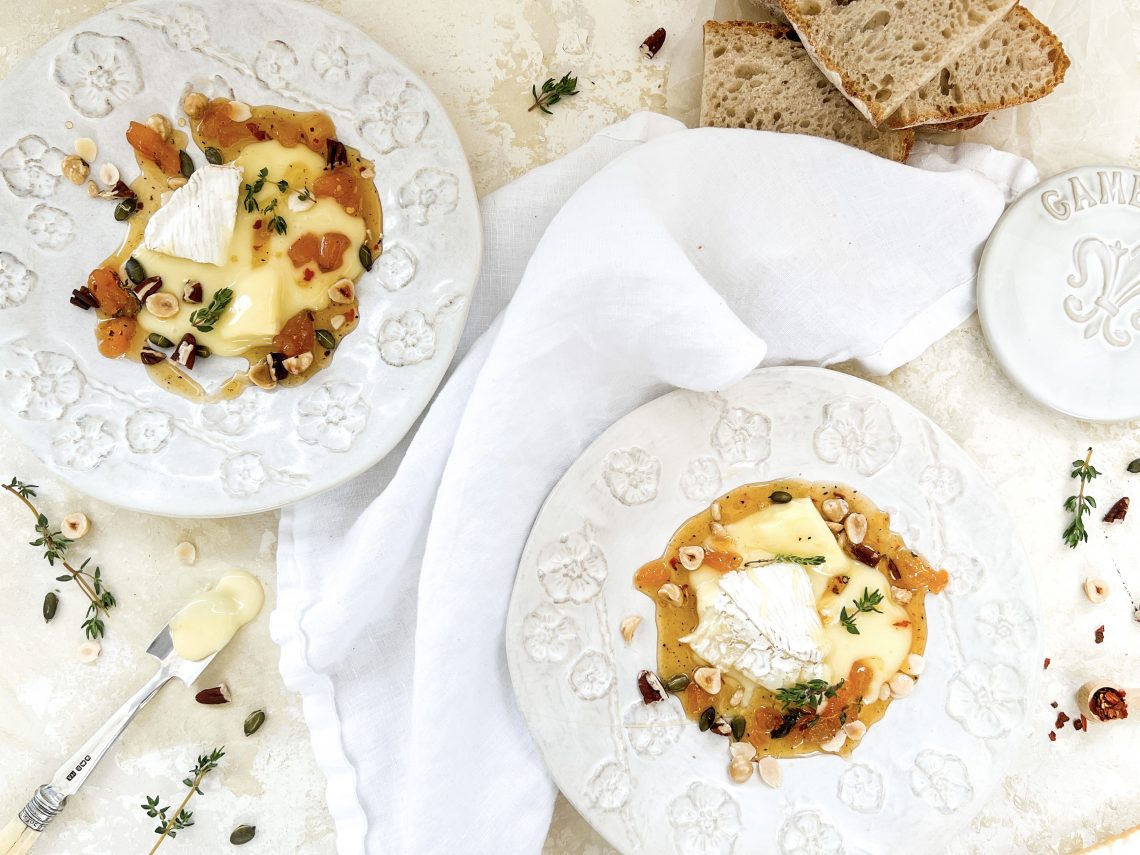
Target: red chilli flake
{"x":1052,"y":736}
{"x":1061,"y":720}
{"x":1099,"y":636}
{"x":309,"y":274}
{"x":1047,"y":661}
{"x":1108,"y":703}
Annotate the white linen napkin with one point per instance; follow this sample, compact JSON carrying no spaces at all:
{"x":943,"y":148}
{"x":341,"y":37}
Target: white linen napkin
{"x":653,"y":257}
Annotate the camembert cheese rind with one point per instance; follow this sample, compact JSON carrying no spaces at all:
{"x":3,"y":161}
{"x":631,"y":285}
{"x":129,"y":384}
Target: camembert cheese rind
{"x":197,"y":222}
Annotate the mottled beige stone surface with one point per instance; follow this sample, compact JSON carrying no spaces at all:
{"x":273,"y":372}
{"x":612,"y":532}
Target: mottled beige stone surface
{"x":481,"y":59}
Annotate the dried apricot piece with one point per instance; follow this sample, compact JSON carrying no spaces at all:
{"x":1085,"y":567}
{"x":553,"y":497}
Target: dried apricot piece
{"x":304,"y":249}
{"x":652,"y":576}
{"x":331,"y":251}
{"x":115,"y":336}
{"x":154,"y":148}
{"x":297,"y":336}
{"x":115,"y":300}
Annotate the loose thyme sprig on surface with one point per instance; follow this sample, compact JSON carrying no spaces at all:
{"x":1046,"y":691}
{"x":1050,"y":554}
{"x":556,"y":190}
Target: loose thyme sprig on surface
{"x":55,"y":547}
{"x":809,"y":695}
{"x":553,"y":92}
{"x":1080,"y":505}
{"x":204,"y":319}
{"x":866,"y":603}
{"x":781,"y":558}
{"x":181,"y":818}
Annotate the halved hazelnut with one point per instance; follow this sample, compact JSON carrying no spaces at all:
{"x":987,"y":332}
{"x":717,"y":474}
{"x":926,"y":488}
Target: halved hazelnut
{"x":835,"y":744}
{"x":75,"y":526}
{"x":855,"y":527}
{"x":834,"y":510}
{"x":194,"y":104}
{"x":691,"y":557}
{"x":628,"y":627}
{"x":109,"y":174}
{"x":186,"y":552}
{"x":261,"y":375}
{"x":342,"y":291}
{"x":298,"y":364}
{"x":671,"y":593}
{"x":89,"y":651}
{"x":915,"y":664}
{"x":902,"y":596}
{"x":1096,"y":590}
{"x":901,"y":685}
{"x":85,"y":147}
{"x":708,"y":679}
{"x":337,"y":321}
{"x":835,"y":527}
{"x":770,"y":771}
{"x":855,"y":730}
{"x":742,"y":751}
{"x":718,"y":530}
{"x":238,"y":111}
{"x":162,"y":304}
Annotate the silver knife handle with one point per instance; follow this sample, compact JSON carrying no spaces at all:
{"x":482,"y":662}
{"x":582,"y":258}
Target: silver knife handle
{"x":76,"y":769}
{"x":42,"y":808}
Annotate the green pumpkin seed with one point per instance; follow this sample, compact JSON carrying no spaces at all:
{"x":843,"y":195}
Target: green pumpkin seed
{"x":125,"y":208}
{"x":706,"y":719}
{"x":781,"y":497}
{"x":738,"y":726}
{"x":201,"y":351}
{"x":325,"y":339}
{"x":677,"y":684}
{"x":186,"y":164}
{"x":213,"y":156}
{"x":159,"y":340}
{"x":365,"y":255}
{"x":51,"y":603}
{"x":135,"y":270}
{"x":254,"y":722}
{"x":1134,"y":466}
{"x":243,"y":834}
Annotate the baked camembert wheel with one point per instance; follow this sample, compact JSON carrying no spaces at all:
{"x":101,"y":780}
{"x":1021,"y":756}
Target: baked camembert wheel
{"x":254,"y":252}
{"x":789,"y":617}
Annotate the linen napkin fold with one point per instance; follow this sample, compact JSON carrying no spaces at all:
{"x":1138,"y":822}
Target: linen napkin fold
{"x":652,"y":258}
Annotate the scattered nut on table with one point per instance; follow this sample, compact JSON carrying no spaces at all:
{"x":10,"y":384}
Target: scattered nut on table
{"x":628,"y":627}
{"x":1096,"y":590}
{"x":89,"y":651}
{"x":75,"y":526}
{"x":186,"y":552}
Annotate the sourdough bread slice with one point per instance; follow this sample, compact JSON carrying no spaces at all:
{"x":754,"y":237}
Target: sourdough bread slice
{"x":879,"y":52}
{"x":755,"y":76}
{"x":1018,"y":60}
{"x":953,"y":127}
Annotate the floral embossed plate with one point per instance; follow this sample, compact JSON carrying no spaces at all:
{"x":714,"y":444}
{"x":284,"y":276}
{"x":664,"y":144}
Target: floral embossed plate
{"x":101,"y":424}
{"x":644,"y":776}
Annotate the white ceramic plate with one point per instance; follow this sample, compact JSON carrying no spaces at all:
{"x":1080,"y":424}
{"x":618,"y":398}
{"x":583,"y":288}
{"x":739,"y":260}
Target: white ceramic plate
{"x":644,"y":776}
{"x":1059,"y":293}
{"x":101,"y":424}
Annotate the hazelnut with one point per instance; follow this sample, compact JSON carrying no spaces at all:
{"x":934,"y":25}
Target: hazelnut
{"x":89,"y":651}
{"x":109,"y":174}
{"x":337,"y":321}
{"x":915,"y":664}
{"x":714,"y":511}
{"x":162,"y":305}
{"x":238,"y":111}
{"x":884,"y":692}
{"x":195,"y":104}
{"x":298,"y":364}
{"x":737,"y":698}
{"x":75,"y":526}
{"x":176,"y":181}
{"x":75,"y":169}
{"x":855,"y":527}
{"x":671,"y":593}
{"x":855,"y":730}
{"x":160,"y":125}
{"x":834,"y":510}
{"x":628,"y":627}
{"x":1096,"y":590}
{"x":835,"y":527}
{"x":186,"y":552}
{"x":342,"y":291}
{"x":740,"y":770}
{"x":92,"y":189}
{"x":708,"y":679}
{"x":718,"y":530}
{"x":691,"y":557}
{"x":770,"y":772}
{"x":901,"y":685}
{"x":368,"y":173}
{"x":901,"y":595}
{"x":742,"y":751}
{"x":85,"y":147}
{"x":835,"y":744}
{"x":262,"y":376}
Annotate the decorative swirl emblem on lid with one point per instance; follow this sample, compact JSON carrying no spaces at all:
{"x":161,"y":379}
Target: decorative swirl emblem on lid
{"x":1108,"y":275}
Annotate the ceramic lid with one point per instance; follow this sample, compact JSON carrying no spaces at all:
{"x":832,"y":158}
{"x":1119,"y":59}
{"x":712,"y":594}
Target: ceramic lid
{"x":1059,"y":293}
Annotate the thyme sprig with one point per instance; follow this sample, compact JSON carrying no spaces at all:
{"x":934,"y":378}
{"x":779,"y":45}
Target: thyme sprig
{"x":171,"y":822}
{"x":552,"y":92}
{"x":251,"y":190}
{"x":204,"y":319}
{"x":807,"y":696}
{"x":1080,"y":505}
{"x":276,"y":222}
{"x":866,"y":603}
{"x":781,"y":558}
{"x":55,"y":547}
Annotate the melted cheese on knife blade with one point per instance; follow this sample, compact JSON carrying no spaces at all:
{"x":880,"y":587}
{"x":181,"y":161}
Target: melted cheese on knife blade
{"x":268,"y":289}
{"x":785,"y":604}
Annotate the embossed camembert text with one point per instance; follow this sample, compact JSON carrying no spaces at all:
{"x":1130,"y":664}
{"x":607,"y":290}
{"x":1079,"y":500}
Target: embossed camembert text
{"x":1089,"y":190}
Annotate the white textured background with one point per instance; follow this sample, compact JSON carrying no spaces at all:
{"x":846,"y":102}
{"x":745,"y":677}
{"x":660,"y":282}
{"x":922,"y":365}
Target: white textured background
{"x":481,"y":58}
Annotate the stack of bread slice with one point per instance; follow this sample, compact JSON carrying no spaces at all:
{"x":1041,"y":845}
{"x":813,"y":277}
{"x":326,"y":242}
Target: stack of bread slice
{"x":868,"y":72}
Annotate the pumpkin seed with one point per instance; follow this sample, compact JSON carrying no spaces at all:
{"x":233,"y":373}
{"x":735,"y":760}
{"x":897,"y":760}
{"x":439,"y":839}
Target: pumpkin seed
{"x":243,"y":834}
{"x":254,"y":722}
{"x":325,"y":339}
{"x":134,"y":270}
{"x":365,"y":255}
{"x":738,"y":726}
{"x":201,"y":351}
{"x":213,"y":156}
{"x":1134,"y":466}
{"x":781,"y":497}
{"x":51,"y":603}
{"x":706,"y":719}
{"x":159,"y":340}
{"x":677,"y":684}
{"x":186,"y":164}
{"x":125,"y":208}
